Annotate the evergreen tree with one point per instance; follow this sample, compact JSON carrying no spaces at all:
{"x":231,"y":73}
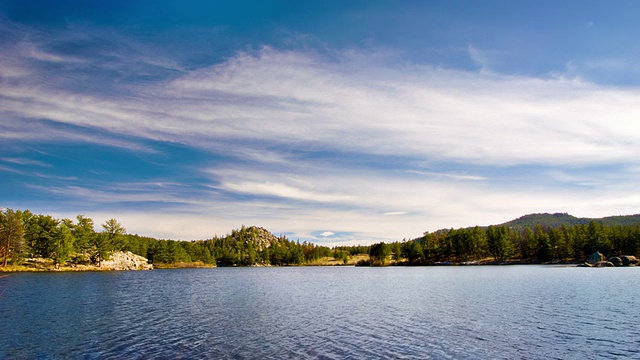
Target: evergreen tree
{"x":412,"y":250}
{"x":40,"y":235}
{"x":83,"y":234}
{"x":428,"y":246}
{"x":114,"y":231}
{"x":498,"y":243}
{"x":543,"y":244}
{"x":379,"y":253}
{"x":62,"y":244}
{"x":396,"y":250}
{"x":107,"y":241}
{"x":568,"y":241}
{"x":11,"y":235}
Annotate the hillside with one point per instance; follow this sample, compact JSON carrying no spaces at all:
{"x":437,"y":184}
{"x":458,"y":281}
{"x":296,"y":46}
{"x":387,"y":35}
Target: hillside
{"x":547,"y":220}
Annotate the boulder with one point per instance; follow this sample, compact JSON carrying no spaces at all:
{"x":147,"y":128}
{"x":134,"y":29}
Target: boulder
{"x":616,"y":261}
{"x":126,"y":261}
{"x":604,"y":264}
{"x":596,"y":257}
{"x":628,"y":260}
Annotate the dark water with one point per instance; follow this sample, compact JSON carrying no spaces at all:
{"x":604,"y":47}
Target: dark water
{"x":509,"y":312}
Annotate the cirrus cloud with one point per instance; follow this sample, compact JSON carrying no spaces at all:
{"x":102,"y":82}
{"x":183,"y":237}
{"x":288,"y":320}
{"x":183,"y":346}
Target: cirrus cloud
{"x":300,"y":141}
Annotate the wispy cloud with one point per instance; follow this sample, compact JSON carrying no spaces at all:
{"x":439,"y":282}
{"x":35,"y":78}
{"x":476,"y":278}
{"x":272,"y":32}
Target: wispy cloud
{"x":25,"y":161}
{"x":449,"y":175}
{"x":292,"y":136}
{"x":281,"y":190}
{"x":300,"y":99}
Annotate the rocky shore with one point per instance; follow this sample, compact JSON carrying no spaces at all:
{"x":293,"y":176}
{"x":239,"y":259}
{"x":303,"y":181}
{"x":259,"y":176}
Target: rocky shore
{"x":597,"y":259}
{"x":126,"y":261}
{"x":118,"y":261}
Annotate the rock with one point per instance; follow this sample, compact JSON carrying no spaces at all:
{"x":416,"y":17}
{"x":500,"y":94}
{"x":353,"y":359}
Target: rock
{"x":126,"y":261}
{"x":596,"y":257}
{"x":604,"y":264}
{"x":585,"y":265}
{"x":628,"y":260}
{"x":616,"y":261}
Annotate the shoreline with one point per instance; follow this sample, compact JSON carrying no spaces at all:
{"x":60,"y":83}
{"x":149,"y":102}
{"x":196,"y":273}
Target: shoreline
{"x":95,"y":268}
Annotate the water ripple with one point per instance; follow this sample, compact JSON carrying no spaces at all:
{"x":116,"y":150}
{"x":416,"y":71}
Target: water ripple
{"x":322,"y":313}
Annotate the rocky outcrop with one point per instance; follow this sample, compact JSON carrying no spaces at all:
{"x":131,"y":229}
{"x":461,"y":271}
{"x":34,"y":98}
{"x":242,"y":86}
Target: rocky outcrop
{"x":616,"y":261}
{"x":629,"y":260}
{"x":604,"y":264}
{"x":596,"y":257}
{"x":599,"y":260}
{"x":126,"y":261}
{"x":259,"y":237}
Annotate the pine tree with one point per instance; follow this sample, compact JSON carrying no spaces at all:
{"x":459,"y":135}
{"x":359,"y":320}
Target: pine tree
{"x":11,"y":235}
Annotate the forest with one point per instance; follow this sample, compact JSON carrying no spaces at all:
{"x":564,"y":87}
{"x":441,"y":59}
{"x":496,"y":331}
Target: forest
{"x":25,"y":235}
{"x":502,"y":244}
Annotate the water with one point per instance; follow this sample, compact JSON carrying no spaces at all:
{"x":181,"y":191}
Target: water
{"x":503,"y":312}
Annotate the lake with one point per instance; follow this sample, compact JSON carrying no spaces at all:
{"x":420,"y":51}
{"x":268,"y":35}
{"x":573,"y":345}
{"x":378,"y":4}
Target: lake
{"x":474,"y":312}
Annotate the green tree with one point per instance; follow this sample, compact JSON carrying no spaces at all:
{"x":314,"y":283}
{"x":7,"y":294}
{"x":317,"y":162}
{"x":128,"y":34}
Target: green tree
{"x":597,"y":239}
{"x":428,"y":245}
{"x":412,"y":250}
{"x":579,"y":244}
{"x":568,"y":241}
{"x":177,"y":253}
{"x":83,"y":234}
{"x":40,"y":235}
{"x":341,"y":255}
{"x":378,"y":253}
{"x":158,"y":252}
{"x":396,"y":249}
{"x":114,"y":231}
{"x":107,"y":241}
{"x":543,"y":244}
{"x":478,"y":242}
{"x":498,"y":243}
{"x":11,"y":235}
{"x":62,"y":244}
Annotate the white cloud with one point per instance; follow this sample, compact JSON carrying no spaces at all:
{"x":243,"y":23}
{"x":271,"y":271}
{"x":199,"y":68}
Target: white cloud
{"x":299,"y":98}
{"x":327,"y":233}
{"x":300,"y":101}
{"x":429,"y":206}
{"x":281,"y":190}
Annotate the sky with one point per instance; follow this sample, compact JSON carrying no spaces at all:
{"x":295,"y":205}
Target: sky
{"x":333,"y":122}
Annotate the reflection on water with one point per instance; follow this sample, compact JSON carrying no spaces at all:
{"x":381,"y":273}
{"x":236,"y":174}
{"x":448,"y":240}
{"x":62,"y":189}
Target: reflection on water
{"x":326,"y":313}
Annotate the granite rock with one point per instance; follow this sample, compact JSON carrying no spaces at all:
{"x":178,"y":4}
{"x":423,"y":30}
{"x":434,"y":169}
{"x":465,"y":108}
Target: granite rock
{"x":126,"y":261}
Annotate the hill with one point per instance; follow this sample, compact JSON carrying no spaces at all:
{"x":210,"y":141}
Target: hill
{"x":555,"y":220}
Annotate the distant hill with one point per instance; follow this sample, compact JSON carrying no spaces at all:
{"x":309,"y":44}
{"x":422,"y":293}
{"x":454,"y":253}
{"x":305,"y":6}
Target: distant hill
{"x":547,"y":220}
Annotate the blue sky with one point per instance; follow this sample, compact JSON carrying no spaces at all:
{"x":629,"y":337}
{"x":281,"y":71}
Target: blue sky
{"x":336,"y":122}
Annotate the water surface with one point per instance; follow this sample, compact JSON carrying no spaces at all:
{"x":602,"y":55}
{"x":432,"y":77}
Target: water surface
{"x":479,"y":312}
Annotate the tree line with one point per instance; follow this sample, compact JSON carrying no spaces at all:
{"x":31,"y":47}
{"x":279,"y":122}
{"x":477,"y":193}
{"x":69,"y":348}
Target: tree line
{"x":27,"y":235}
{"x":502,"y":244}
